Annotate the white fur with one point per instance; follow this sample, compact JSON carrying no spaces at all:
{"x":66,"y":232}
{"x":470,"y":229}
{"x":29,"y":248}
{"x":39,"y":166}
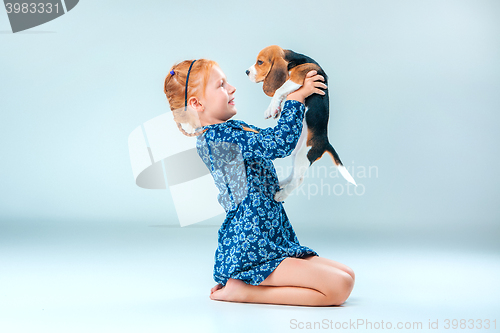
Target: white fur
{"x":279,"y":96}
{"x":187,"y":127}
{"x":300,"y":164}
{"x":346,"y":175}
{"x":252,"y":74}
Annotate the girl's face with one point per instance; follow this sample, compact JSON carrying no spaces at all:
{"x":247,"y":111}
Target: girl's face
{"x":218,"y":102}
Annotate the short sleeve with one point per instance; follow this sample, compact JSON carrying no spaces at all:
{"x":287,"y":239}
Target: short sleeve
{"x":271,"y":142}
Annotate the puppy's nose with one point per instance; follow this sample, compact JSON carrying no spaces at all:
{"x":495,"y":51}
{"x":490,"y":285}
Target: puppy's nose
{"x":248,"y":72}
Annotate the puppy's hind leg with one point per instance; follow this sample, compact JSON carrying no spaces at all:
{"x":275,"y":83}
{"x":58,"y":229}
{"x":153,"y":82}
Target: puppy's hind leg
{"x":300,"y":165}
{"x":301,"y":142}
{"x":297,"y":177}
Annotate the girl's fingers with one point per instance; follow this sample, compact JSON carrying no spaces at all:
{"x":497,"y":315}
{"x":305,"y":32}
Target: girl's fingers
{"x":318,"y":77}
{"x":320,"y":84}
{"x":314,"y":80}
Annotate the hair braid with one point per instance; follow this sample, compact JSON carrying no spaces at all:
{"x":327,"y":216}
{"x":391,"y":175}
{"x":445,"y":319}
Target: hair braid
{"x":175,"y":87}
{"x":190,"y":134}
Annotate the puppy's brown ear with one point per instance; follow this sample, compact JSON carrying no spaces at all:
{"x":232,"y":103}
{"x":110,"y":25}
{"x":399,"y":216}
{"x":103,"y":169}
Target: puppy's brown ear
{"x":277,"y":76}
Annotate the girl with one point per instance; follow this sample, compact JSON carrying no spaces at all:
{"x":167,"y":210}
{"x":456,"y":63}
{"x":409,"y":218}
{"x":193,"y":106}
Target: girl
{"x":258,"y":258}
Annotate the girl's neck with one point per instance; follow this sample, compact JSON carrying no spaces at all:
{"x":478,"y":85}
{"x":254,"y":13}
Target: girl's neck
{"x":213,"y":122}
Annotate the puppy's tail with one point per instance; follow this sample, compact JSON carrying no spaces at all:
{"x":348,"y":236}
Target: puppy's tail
{"x":336,"y":159}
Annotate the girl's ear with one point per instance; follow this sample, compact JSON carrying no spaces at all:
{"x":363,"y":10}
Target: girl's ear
{"x":277,"y":76}
{"x":194,"y":103}
{"x":188,"y":117}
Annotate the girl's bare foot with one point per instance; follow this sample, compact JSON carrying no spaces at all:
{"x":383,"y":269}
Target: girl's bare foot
{"x":233,"y":291}
{"x":217,"y":287}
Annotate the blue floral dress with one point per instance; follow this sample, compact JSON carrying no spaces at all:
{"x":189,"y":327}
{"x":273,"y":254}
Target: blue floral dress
{"x":256,"y":234}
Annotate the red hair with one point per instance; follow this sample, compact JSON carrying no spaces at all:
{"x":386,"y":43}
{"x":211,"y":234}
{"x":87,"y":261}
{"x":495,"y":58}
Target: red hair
{"x":175,"y":86}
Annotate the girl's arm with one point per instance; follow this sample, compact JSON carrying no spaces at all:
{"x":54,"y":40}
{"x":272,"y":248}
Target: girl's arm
{"x":272,"y":142}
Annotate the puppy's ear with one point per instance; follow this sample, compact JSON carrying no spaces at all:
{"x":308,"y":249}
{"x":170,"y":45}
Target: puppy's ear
{"x":277,"y":76}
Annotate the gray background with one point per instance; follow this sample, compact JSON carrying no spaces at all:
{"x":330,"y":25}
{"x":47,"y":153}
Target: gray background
{"x":413,"y":85}
{"x":414,"y":93}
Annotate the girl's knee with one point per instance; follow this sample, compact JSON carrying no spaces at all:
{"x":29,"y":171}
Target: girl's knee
{"x":339,"y":288}
{"x":349,"y":271}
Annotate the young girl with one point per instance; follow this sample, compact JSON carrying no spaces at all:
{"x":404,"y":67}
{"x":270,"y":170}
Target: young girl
{"x":258,"y":258}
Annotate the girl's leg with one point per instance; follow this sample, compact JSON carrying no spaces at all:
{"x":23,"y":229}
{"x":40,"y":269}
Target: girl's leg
{"x":295,"y":281}
{"x":332,"y":263}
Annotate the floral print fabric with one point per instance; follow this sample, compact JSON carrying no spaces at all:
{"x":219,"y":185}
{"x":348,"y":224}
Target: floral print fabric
{"x":256,"y":234}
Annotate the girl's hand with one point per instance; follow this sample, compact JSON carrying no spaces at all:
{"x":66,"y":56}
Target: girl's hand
{"x":311,"y":85}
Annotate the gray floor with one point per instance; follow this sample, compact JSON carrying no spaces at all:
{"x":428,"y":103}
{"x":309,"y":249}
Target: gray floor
{"x":98,"y":278}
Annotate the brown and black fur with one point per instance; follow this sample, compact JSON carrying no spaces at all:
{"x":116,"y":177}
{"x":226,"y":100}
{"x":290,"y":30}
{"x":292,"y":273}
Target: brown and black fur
{"x":318,"y":105}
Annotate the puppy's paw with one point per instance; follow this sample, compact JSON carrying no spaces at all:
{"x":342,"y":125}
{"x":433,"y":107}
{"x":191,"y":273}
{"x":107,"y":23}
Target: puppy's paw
{"x":268,"y":113}
{"x":284,"y":192}
{"x":281,"y":195}
{"x":274,"y":109}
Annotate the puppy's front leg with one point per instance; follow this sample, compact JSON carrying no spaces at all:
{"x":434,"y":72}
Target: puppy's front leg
{"x":280,"y":94}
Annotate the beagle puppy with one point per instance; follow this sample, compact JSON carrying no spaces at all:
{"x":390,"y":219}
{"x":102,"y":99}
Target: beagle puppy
{"x":283,"y":72}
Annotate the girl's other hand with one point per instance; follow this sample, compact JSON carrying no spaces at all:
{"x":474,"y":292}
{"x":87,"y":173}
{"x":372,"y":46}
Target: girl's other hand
{"x":311,"y":85}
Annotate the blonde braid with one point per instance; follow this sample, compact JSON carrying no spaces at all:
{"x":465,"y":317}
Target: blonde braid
{"x":174,"y":88}
{"x":179,"y":126}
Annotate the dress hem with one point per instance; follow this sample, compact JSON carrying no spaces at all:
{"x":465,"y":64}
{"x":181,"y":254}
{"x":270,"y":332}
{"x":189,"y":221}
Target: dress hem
{"x":257,"y":279}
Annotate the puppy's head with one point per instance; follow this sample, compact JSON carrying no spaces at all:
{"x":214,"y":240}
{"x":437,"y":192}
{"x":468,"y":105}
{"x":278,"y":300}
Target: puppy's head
{"x":271,"y":68}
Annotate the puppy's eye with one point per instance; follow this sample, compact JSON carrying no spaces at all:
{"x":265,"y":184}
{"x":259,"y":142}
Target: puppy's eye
{"x":260,"y":62}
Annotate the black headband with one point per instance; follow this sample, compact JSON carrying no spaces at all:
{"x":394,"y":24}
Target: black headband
{"x":186,"y":90}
